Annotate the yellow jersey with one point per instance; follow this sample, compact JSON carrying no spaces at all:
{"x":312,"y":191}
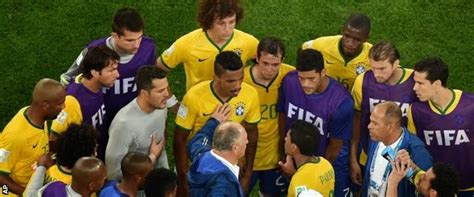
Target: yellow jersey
{"x":317,"y":175}
{"x":21,"y":144}
{"x":336,"y":64}
{"x":267,"y":155}
{"x":71,"y":114}
{"x":201,"y":101}
{"x":197,"y":52}
{"x":55,"y":173}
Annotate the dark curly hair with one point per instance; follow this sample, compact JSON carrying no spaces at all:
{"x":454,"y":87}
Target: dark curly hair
{"x":76,"y":142}
{"x":218,"y":9}
{"x":446,"y":181}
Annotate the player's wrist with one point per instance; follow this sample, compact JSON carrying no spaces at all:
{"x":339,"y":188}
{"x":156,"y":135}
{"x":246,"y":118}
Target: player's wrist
{"x":171,"y":101}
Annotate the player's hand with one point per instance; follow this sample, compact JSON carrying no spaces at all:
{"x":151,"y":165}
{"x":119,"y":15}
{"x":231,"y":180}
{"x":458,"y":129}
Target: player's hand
{"x":399,"y":170}
{"x":156,"y":147}
{"x":45,"y":160}
{"x":355,"y":173}
{"x":404,"y":158}
{"x":287,"y":168}
{"x":222,"y":113}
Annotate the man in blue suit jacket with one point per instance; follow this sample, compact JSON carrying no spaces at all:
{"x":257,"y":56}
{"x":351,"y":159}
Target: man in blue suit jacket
{"x":214,"y":172}
{"x":389,"y":137}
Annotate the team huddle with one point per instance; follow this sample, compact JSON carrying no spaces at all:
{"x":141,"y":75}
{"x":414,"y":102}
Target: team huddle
{"x":346,"y":120}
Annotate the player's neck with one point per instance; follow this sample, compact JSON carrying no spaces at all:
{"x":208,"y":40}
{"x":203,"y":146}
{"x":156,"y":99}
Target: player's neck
{"x":396,"y":76}
{"x":219,"y":41}
{"x":35,"y":116}
{"x":91,"y":84}
{"x":393,"y":138}
{"x":443,"y":98}
{"x":302,"y":159}
{"x":128,"y":188}
{"x":144,"y":105}
{"x":227,"y":155}
{"x":258,"y":77}
{"x":324,"y":85}
{"x":220,"y":93}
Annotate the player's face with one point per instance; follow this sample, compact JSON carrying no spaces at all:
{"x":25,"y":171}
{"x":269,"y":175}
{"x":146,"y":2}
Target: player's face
{"x":423,"y":88}
{"x":268,"y":65}
{"x":129,"y":42}
{"x":352,"y":39}
{"x":159,"y":94}
{"x":230,"y":82}
{"x":222,"y":28}
{"x":310,"y":81}
{"x":383,"y":70}
{"x":56,"y":105}
{"x":109,"y":74}
{"x":378,"y":127}
{"x":424,"y":185}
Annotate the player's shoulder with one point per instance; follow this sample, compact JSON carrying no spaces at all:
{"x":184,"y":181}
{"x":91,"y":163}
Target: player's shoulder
{"x":240,"y":33}
{"x":203,"y":87}
{"x":247,"y":88}
{"x":97,"y":42}
{"x":192,"y":35}
{"x":286,"y":68}
{"x":148,"y":41}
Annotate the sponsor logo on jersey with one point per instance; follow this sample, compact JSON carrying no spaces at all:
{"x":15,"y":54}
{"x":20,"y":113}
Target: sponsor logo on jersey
{"x":360,"y":68}
{"x":446,"y":137}
{"x":4,"y":154}
{"x":98,"y":117}
{"x":238,"y":51}
{"x":169,"y":50}
{"x":403,"y":106}
{"x":302,"y":114}
{"x":202,"y":60}
{"x":182,"y":111}
{"x":123,"y":86}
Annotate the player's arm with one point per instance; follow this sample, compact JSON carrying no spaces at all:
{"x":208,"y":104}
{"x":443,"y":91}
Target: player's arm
{"x":340,"y":128}
{"x":180,"y":156}
{"x":117,"y":147}
{"x":161,"y":65}
{"x":280,"y":108}
{"x":410,"y":121}
{"x":355,"y":171}
{"x":12,"y":186}
{"x":74,"y":69}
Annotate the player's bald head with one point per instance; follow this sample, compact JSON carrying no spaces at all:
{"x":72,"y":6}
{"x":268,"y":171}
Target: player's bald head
{"x":88,"y":170}
{"x":47,"y":90}
{"x":391,"y":112}
{"x":226,"y":135}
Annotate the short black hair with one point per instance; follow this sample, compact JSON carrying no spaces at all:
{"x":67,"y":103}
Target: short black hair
{"x":358,"y":21}
{"x":306,"y":137}
{"x":159,"y":182}
{"x":308,"y":60}
{"x":97,"y":58}
{"x":227,"y":60}
{"x":79,"y":140}
{"x":446,"y":181}
{"x":435,"y":69}
{"x":132,"y":164}
{"x":127,"y":19}
{"x":145,"y":76}
{"x":272,"y":46}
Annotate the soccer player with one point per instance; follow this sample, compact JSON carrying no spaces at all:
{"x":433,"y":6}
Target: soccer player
{"x":439,"y":180}
{"x":313,"y":172}
{"x":266,"y":77}
{"x":386,"y":81}
{"x":88,"y":176}
{"x":76,"y":142}
{"x":134,"y":49}
{"x":443,"y":120}
{"x":25,"y":138}
{"x":201,"y":100}
{"x":391,"y":141}
{"x":197,"y":50}
{"x":145,"y":116}
{"x":134,"y":168}
{"x":85,"y":100}
{"x":309,"y":94}
{"x":346,"y":55}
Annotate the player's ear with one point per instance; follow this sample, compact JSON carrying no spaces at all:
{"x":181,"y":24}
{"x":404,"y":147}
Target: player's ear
{"x":114,"y":35}
{"x":396,"y":63}
{"x":323,"y":72}
{"x":95,"y":73}
{"x":438,"y":83}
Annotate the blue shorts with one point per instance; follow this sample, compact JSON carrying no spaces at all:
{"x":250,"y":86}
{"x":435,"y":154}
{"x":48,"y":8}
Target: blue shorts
{"x":341,"y":169}
{"x":271,"y":182}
